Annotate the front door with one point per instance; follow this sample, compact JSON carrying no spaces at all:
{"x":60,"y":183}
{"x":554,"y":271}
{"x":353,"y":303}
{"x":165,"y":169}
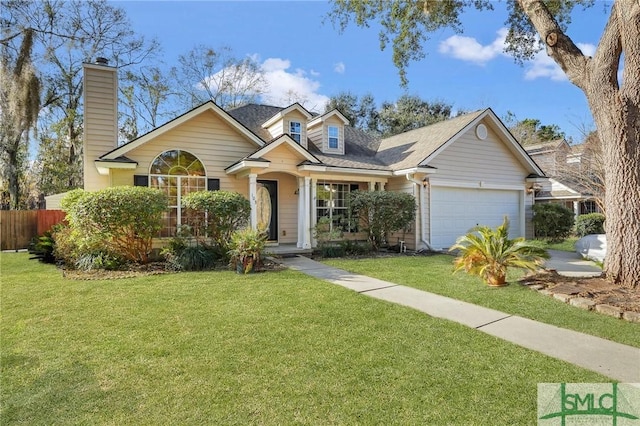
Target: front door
{"x":267,"y":206}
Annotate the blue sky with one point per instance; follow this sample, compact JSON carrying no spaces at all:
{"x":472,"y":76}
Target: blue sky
{"x":301,"y":51}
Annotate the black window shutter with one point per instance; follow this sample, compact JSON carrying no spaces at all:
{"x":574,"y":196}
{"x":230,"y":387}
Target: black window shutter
{"x":213,"y":184}
{"x":140,"y":180}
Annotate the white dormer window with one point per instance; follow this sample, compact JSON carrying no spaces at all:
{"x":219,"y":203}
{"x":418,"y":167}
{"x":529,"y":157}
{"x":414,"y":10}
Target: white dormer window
{"x":295,"y":131}
{"x":333,"y":137}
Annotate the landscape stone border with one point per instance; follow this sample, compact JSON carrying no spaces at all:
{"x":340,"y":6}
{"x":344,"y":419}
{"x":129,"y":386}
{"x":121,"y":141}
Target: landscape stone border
{"x":583,"y":302}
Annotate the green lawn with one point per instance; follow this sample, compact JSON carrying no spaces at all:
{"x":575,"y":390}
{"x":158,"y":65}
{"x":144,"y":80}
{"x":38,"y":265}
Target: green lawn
{"x":270,"y":348}
{"x":434,"y":274}
{"x":568,"y":244}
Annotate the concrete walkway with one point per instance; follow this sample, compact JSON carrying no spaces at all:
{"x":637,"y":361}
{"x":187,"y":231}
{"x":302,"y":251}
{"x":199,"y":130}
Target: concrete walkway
{"x":571,"y":264}
{"x":614,"y":360}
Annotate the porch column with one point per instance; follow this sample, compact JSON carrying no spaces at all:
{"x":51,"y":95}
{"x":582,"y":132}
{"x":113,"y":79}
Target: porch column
{"x":306,"y":235}
{"x":301,"y":213}
{"x":314,"y":210}
{"x":253,"y":189}
{"x":576,"y":209}
{"x":372,"y":185}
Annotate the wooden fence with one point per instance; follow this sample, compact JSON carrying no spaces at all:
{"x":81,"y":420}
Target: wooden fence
{"x":18,"y":227}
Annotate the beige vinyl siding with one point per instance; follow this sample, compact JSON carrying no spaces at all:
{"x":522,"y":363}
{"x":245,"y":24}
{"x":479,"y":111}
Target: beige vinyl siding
{"x":283,"y":158}
{"x":314,"y":134}
{"x":473,"y":160}
{"x":297,"y":116}
{"x":121,"y":177}
{"x":287,"y":206}
{"x":100,"y":134}
{"x":319,"y":135}
{"x":411,"y":238}
{"x":207,"y":137}
{"x":276,"y":129}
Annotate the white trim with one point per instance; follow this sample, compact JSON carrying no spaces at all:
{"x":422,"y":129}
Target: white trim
{"x":504,"y":134}
{"x":247,"y":164}
{"x":412,"y":170}
{"x":324,"y":117}
{"x":103,"y":167}
{"x":475,"y":184}
{"x":289,"y":141}
{"x":280,"y":115}
{"x":208,"y":106}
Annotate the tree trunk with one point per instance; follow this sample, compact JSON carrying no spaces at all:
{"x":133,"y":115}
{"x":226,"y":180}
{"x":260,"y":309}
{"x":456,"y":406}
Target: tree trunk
{"x":621,"y":154}
{"x":615,"y":106}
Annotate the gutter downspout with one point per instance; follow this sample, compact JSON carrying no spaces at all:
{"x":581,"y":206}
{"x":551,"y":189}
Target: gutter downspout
{"x":422,"y":203}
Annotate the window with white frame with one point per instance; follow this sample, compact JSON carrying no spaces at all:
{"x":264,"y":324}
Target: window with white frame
{"x":333,"y":137}
{"x":295,"y":130}
{"x":176,"y":173}
{"x":332,"y":201}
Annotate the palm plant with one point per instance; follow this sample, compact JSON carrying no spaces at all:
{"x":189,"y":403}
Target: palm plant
{"x":488,"y":253}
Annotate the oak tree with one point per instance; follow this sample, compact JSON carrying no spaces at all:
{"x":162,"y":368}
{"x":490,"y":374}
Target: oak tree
{"x":543,"y":24}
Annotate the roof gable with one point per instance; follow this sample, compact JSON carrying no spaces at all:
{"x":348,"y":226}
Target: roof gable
{"x":207,"y":106}
{"x":421,"y":146}
{"x":324,"y":117}
{"x":287,"y":141}
{"x":280,"y":114}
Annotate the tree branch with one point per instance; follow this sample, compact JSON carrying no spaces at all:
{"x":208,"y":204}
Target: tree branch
{"x":559,"y":46}
{"x":605,"y":62}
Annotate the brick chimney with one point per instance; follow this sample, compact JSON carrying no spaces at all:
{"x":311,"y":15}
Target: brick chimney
{"x":100,"y":134}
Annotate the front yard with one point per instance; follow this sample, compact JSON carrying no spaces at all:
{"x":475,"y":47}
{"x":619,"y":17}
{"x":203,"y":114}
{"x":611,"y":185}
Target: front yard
{"x":268,"y":348}
{"x":433,"y":274}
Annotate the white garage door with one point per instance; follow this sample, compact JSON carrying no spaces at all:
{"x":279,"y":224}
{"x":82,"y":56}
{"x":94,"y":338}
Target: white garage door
{"x":454,"y":211}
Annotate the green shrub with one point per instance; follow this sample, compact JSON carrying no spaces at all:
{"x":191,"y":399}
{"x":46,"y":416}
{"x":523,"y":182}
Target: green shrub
{"x":552,"y":221}
{"x":592,"y":223}
{"x":216,"y":215}
{"x":382,"y":212}
{"x":193,"y":258}
{"x":355,"y":248}
{"x":118,"y":221}
{"x":246,"y":248}
{"x":99,"y":261}
{"x":43,"y":246}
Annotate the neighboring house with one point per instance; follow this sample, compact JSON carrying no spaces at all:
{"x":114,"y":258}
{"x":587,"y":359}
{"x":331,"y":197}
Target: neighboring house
{"x":557,"y":159}
{"x":296,"y":166}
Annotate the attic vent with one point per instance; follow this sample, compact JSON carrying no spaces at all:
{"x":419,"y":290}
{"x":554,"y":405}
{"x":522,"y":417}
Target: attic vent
{"x":102,"y":61}
{"x":481,"y":132}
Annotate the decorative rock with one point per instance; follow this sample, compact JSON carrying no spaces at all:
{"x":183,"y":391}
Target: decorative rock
{"x":582,"y":303}
{"x":536,"y":287}
{"x":546,"y":292}
{"x":562,"y":297}
{"x":631,"y":316}
{"x":612,"y":311}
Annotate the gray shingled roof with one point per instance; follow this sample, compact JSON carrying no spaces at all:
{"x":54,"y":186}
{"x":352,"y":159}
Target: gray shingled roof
{"x":360,"y":147}
{"x":363,"y":151}
{"x":409,"y":149}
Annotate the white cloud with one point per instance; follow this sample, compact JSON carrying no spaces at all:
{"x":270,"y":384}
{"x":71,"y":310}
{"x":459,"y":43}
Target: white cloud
{"x":339,"y":67}
{"x":286,"y":87}
{"x":543,"y":66}
{"x":469,"y":49}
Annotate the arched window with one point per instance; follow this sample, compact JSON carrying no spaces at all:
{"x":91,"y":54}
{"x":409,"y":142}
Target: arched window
{"x":177,"y":173}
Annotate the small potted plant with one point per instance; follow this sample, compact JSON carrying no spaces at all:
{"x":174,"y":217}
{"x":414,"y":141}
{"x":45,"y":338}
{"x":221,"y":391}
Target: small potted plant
{"x":488,"y":253}
{"x":246,"y":249}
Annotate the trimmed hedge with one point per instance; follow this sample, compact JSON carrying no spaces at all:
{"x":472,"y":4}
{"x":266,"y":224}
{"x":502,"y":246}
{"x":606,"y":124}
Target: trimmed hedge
{"x":552,"y":221}
{"x":592,"y":223}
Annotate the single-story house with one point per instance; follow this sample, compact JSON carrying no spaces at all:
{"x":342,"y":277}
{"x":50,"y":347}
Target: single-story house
{"x":296,"y":166}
